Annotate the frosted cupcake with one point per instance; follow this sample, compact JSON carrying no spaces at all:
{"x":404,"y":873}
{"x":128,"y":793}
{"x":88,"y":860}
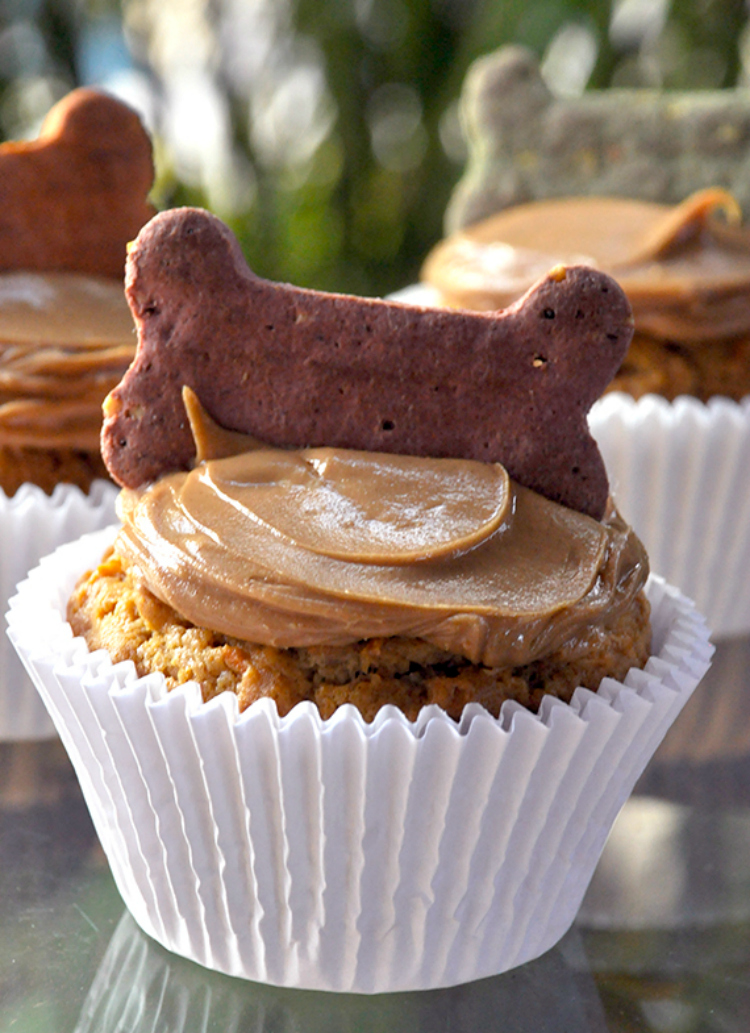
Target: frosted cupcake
{"x":633,"y":182}
{"x":684,"y":268}
{"x":487,"y":674}
{"x":675,"y":432}
{"x":72,"y":199}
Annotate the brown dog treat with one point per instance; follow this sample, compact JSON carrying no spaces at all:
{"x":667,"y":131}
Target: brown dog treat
{"x":298,"y":368}
{"x":71,"y":200}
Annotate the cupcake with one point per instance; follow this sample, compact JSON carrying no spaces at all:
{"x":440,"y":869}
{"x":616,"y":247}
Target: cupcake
{"x":352,"y":708}
{"x":72,"y":199}
{"x":635,"y":184}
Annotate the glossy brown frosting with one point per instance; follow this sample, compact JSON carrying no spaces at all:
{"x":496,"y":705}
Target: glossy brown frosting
{"x":65,"y":341}
{"x":329,"y":546}
{"x":684,"y":268}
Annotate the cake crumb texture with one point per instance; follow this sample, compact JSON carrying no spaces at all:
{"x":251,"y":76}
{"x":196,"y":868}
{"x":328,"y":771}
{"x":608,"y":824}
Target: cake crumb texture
{"x":666,"y":368}
{"x":110,"y":610}
{"x":48,"y":467}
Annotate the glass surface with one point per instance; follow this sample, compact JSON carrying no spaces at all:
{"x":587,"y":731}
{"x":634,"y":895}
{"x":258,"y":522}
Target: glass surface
{"x":662,"y":942}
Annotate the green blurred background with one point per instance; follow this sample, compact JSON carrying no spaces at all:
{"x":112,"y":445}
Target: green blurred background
{"x":327,"y":134}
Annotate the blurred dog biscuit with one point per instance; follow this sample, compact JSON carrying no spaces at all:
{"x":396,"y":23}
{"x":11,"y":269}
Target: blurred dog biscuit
{"x":72,"y":199}
{"x":526,"y":144}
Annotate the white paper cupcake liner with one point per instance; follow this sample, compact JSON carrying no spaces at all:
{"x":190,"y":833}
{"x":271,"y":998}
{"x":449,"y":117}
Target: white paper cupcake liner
{"x":32,"y":524}
{"x":339,"y":855}
{"x":680,"y":472}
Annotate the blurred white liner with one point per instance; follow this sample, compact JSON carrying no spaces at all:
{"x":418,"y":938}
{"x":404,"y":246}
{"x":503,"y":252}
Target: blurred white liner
{"x":680,"y":474}
{"x":32,"y":524}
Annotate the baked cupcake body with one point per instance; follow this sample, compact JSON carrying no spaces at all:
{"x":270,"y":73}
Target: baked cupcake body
{"x":644,"y":184}
{"x":674,"y":424}
{"x":541,"y":600}
{"x":65,"y":340}
{"x":111,"y":611}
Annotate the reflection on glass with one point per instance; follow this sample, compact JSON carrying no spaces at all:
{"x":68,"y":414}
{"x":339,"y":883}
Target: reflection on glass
{"x":667,"y":866}
{"x":140,"y":987}
{"x":678,"y":854}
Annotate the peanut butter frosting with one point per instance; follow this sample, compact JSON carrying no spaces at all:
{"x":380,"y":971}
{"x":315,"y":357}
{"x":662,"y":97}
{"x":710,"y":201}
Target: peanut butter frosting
{"x":321,"y":545}
{"x":65,"y":341}
{"x":684,"y":268}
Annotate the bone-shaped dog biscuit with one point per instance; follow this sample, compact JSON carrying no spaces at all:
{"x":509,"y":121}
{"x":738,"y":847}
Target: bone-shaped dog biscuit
{"x":296,"y":367}
{"x":526,"y":144}
{"x":71,"y":200}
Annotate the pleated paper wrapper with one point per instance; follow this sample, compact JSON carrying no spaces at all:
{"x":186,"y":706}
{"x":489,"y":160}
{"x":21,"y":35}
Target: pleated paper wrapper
{"x":680,"y":473}
{"x":32,"y":524}
{"x":337,"y":855}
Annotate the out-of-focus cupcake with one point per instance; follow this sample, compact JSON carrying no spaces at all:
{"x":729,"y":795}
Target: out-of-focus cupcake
{"x":675,"y":427}
{"x":71,"y":199}
{"x":484,"y":678}
{"x":684,"y":268}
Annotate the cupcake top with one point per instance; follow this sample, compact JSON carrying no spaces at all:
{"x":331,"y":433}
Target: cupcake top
{"x":650,"y":185}
{"x":684,"y":268}
{"x":285,"y":522}
{"x":330,"y":546}
{"x":303,"y":368}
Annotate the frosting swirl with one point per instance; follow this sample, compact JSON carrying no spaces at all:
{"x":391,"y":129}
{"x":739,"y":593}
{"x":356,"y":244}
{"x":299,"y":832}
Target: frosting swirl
{"x":297,"y":548}
{"x":65,"y":341}
{"x":686,"y":272}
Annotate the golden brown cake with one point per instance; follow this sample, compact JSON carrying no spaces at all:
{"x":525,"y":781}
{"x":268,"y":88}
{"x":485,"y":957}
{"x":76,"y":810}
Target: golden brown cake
{"x":112,"y":610}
